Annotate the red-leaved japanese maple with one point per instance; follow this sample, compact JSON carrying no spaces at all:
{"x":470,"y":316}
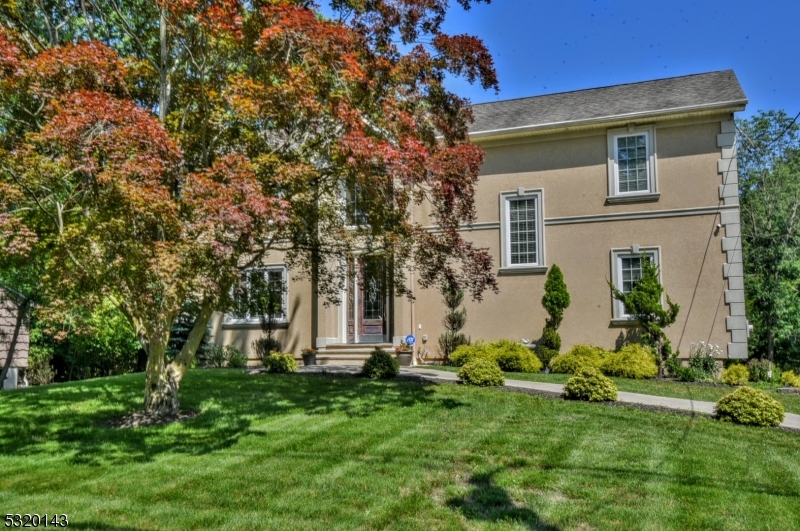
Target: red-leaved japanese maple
{"x":151,"y":170}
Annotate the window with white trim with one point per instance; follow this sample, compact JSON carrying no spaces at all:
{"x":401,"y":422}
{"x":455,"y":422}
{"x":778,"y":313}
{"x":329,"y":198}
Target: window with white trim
{"x":264,"y":289}
{"x":632,"y":163}
{"x":626,"y":267}
{"x":522,"y":229}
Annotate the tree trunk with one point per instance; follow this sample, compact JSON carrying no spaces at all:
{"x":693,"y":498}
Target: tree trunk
{"x":161,"y":385}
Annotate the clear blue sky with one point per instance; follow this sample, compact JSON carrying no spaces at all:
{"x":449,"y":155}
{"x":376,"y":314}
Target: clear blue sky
{"x":541,"y":47}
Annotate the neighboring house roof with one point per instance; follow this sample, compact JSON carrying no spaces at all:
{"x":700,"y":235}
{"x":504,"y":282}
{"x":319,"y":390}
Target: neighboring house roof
{"x":699,"y":92}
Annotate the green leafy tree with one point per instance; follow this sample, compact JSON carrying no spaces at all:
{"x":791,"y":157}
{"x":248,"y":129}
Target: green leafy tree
{"x":768,"y":152}
{"x":644,"y":303}
{"x":555,"y":301}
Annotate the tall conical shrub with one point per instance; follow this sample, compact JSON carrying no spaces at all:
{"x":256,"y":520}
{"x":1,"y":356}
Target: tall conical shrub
{"x":555,"y":301}
{"x":454,"y":320}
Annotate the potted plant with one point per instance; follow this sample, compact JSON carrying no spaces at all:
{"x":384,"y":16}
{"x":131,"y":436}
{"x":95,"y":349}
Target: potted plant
{"x":404,"y":354}
{"x":309,"y":356}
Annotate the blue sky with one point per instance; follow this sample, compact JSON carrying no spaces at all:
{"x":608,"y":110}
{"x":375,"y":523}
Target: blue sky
{"x":542,"y":47}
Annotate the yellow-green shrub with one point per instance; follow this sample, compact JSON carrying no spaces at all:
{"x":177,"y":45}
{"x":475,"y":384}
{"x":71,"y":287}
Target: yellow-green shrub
{"x":790,"y":378}
{"x":750,"y":406}
{"x":514,"y":357}
{"x":578,"y":356}
{"x":590,"y":384}
{"x":482,"y":372}
{"x":736,"y":374}
{"x":280,"y":363}
{"x":466,"y":353}
{"x":631,"y":361}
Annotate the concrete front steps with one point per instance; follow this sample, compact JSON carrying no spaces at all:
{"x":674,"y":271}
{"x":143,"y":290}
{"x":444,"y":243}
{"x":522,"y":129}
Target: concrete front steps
{"x":349,"y":353}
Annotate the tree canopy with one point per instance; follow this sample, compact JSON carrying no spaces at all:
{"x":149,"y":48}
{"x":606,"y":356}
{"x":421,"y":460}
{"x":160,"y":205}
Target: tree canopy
{"x":153,"y":150}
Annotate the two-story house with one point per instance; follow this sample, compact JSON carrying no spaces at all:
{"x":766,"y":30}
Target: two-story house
{"x":587,"y":180}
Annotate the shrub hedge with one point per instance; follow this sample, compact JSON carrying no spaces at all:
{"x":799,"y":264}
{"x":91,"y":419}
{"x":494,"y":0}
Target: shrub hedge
{"x":280,"y":363}
{"x":590,"y":384}
{"x":380,"y":364}
{"x":482,"y":372}
{"x":736,"y":374}
{"x":631,"y":361}
{"x":577,"y":357}
{"x":751,"y":407}
{"x":508,"y":355}
{"x":790,"y":378}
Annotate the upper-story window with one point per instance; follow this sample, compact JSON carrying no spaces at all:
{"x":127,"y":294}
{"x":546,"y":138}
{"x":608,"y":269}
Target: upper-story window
{"x":521,"y":214}
{"x":632,"y":165}
{"x":354,"y":204}
{"x":261,"y":292}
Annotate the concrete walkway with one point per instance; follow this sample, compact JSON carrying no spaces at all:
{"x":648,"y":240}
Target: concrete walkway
{"x":791,"y":421}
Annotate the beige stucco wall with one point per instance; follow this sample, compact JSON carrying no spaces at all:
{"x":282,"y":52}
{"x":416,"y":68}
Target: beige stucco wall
{"x":572,"y":169}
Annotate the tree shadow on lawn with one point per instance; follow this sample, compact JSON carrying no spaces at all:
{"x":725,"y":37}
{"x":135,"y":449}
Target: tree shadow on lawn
{"x":490,"y":502}
{"x":67,"y":419}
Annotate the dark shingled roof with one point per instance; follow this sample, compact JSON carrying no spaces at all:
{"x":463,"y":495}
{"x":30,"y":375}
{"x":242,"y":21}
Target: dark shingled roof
{"x":713,"y":89}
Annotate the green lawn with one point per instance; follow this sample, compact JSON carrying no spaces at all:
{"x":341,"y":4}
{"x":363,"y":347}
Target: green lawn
{"x":659,"y":387}
{"x":312,"y":452}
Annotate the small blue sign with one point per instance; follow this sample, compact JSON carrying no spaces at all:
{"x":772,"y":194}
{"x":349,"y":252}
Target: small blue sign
{"x":410,"y":340}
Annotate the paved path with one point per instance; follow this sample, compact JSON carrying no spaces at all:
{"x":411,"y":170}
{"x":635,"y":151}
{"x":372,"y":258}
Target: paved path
{"x":791,"y":421}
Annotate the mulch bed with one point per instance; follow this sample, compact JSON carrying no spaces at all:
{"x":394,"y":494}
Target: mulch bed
{"x":140,"y":419}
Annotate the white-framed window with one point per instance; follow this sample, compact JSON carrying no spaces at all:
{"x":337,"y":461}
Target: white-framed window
{"x":632,"y":164}
{"x":522,"y":230}
{"x":626,"y":269}
{"x":265,"y":286}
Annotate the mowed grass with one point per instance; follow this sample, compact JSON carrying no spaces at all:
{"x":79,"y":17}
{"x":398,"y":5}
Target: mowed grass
{"x":311,"y":452}
{"x":674,"y":389}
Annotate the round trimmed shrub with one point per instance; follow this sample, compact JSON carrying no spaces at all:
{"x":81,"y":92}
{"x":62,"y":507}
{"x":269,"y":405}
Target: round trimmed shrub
{"x":380,"y":364}
{"x":631,"y":361}
{"x":736,"y":374}
{"x":278,"y":362}
{"x":751,"y":407}
{"x":790,"y":378}
{"x":589,"y":384}
{"x":482,"y":372}
{"x":467,"y":353}
{"x":577,"y":357}
{"x":514,"y":357}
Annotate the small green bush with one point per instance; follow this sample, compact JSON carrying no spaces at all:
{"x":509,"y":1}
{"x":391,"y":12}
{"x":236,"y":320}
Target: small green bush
{"x":380,"y":364}
{"x":265,"y":346}
{"x":578,"y":356}
{"x":216,"y":356}
{"x":514,"y":357}
{"x":236,"y":358}
{"x":466,"y":353}
{"x":751,"y":407}
{"x":546,"y":355}
{"x":759,"y":371}
{"x":631,"y":361}
{"x":280,"y":363}
{"x":550,"y":339}
{"x":590,"y":384}
{"x":736,"y":374}
{"x":703,"y":360}
{"x":790,"y":378}
{"x":482,"y":372}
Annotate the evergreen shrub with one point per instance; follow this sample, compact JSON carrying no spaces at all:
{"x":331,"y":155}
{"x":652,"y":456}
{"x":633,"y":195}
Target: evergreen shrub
{"x":514,"y":357}
{"x":751,"y":407}
{"x":482,"y":372}
{"x":546,"y":354}
{"x":631,"y":361}
{"x":236,"y":358}
{"x":736,"y":374}
{"x":577,"y":357}
{"x":280,"y":363}
{"x":589,"y":384}
{"x":380,"y":364}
